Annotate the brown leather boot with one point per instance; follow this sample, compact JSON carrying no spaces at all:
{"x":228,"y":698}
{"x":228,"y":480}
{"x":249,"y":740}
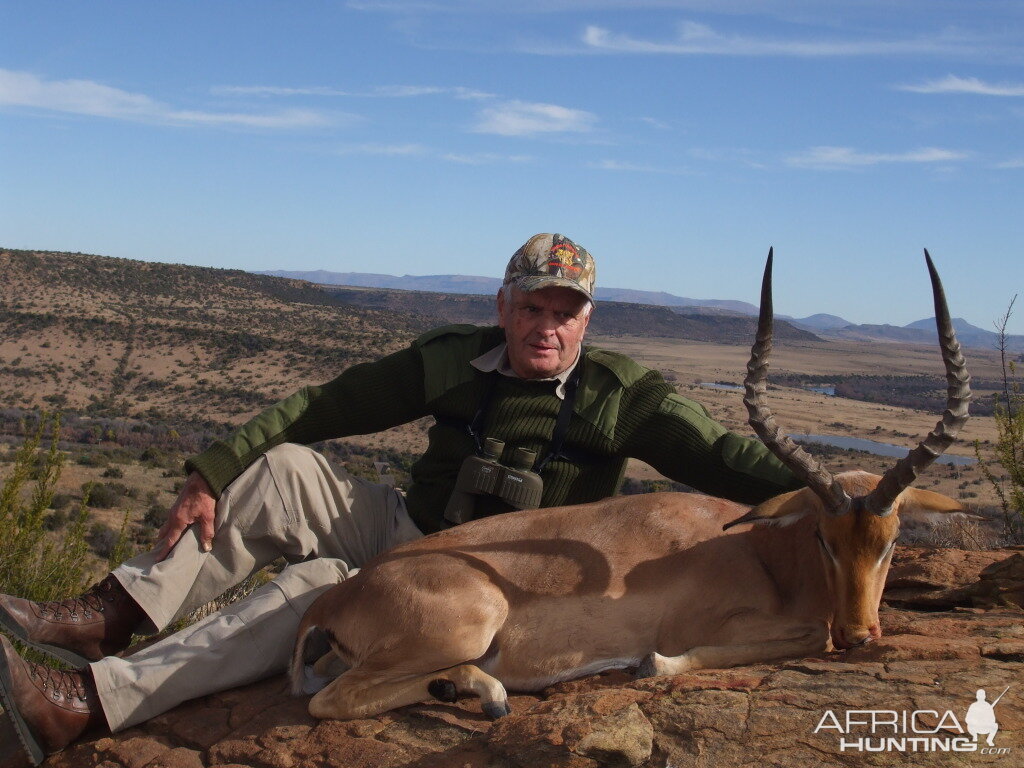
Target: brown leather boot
{"x":49,"y":708}
{"x":81,"y":629}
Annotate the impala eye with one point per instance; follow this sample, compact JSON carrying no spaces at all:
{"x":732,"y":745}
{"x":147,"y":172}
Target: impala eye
{"x":886,"y":552}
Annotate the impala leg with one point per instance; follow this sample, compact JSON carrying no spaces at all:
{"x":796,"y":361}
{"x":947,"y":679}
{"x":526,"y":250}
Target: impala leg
{"x":801,"y":640}
{"x":330,"y":665}
{"x":358,"y":693}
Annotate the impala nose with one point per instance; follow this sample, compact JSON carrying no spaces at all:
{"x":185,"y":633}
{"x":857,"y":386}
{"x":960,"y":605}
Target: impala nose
{"x":844,"y":638}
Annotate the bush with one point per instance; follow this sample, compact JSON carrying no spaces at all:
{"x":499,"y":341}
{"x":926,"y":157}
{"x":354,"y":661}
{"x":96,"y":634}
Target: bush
{"x":123,"y":547}
{"x":103,"y":496}
{"x":1009,"y":447}
{"x":155,"y":516}
{"x":114,"y":472}
{"x":61,"y":500}
{"x":92,"y":460}
{"x":101,"y":539}
{"x":55,"y":521}
{"x":32,"y":564}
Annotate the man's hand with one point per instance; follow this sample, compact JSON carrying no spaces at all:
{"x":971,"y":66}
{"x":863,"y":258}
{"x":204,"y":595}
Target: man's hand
{"x":195,"y":504}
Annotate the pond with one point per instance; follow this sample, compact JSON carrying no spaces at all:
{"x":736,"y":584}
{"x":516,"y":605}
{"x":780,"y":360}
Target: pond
{"x":877,"y":448}
{"x":721,"y":385}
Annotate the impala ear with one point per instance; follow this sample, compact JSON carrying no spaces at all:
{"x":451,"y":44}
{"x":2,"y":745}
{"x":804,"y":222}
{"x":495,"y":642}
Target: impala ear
{"x":780,"y":510}
{"x":917,"y":505}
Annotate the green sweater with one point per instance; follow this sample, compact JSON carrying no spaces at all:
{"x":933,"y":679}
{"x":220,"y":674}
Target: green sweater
{"x":622,"y":410}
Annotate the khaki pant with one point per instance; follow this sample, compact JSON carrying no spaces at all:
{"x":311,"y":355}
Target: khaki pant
{"x":291,"y":503}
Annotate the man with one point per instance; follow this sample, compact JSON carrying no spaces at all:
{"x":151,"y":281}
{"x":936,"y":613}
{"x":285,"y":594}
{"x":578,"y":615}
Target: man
{"x":259,"y":495}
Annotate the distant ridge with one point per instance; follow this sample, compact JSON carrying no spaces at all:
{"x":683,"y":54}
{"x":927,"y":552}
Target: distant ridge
{"x":471,"y":284}
{"x":923,"y":331}
{"x":822,"y":324}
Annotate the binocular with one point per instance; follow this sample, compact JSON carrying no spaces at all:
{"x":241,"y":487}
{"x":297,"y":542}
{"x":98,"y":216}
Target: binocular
{"x":516,"y":484}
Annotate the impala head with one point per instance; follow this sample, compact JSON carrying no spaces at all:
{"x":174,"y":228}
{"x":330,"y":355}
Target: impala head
{"x":856,"y":515}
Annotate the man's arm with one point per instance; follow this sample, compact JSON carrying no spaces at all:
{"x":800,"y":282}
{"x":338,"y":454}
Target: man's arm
{"x":365,"y":398}
{"x":680,"y":439}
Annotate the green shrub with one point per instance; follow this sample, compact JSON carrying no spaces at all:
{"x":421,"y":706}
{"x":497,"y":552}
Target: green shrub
{"x":61,"y":500}
{"x":34,"y":564}
{"x":93,"y":459}
{"x":103,"y":496}
{"x":1009,"y":447}
{"x":155,"y":516}
{"x":124,"y":547}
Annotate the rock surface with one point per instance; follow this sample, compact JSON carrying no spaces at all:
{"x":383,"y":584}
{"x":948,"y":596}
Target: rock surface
{"x":953,"y":624}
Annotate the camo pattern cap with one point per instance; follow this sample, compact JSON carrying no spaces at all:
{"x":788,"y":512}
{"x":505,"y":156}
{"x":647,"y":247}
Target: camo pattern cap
{"x":547,"y":260}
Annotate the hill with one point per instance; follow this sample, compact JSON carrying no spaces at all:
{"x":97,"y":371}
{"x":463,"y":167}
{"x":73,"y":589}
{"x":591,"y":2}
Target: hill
{"x":490,"y":285}
{"x":611,"y":319}
{"x":923,"y":332}
{"x":831,"y":326}
{"x":118,"y":337}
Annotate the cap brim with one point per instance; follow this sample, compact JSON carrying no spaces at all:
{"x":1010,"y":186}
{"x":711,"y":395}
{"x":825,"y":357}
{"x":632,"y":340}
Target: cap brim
{"x":531,"y":283}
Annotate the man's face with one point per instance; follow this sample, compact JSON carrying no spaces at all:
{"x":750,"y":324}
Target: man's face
{"x":543,"y":329}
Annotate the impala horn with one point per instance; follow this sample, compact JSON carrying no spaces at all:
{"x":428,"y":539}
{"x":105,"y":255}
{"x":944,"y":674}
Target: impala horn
{"x":819,"y":479}
{"x":958,"y":396}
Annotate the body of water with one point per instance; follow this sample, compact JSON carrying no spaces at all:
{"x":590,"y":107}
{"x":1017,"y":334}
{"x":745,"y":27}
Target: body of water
{"x":718,"y":385}
{"x":827,"y":390}
{"x":822,"y":390}
{"x":877,"y":448}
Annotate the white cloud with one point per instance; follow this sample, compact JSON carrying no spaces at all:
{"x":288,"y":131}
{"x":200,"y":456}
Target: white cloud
{"x":616,"y":165}
{"x":383,"y":91}
{"x":484,"y":158}
{"x":954,"y":84}
{"x":419,"y":150}
{"x":86,"y":97}
{"x":699,"y":39}
{"x":733,"y":155}
{"x":655,"y":123}
{"x":523,"y":118}
{"x":1012,"y":164}
{"x":383,"y":149}
{"x":824,"y":158}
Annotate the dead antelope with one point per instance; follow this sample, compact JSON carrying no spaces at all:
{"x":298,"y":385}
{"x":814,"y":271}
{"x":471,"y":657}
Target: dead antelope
{"x":525,"y":599}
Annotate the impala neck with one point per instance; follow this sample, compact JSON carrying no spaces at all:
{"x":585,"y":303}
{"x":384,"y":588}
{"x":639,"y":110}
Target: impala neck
{"x":791,"y":555}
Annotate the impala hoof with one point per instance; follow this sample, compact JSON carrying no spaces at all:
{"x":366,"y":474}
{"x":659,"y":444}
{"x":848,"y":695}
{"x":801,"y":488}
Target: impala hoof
{"x":647,"y":668}
{"x":443,"y":690}
{"x":496,"y":709}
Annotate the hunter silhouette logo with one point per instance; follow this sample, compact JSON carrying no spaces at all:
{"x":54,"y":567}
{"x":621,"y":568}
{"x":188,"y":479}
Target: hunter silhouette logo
{"x":923,"y":730}
{"x":981,"y":717}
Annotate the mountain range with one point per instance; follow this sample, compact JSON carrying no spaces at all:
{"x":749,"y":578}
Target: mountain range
{"x":825,"y":325}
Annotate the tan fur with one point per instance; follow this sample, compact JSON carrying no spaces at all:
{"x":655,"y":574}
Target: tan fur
{"x":528,"y":598}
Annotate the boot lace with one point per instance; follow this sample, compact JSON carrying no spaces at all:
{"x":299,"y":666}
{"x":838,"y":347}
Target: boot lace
{"x":94,"y":600}
{"x":59,"y":684}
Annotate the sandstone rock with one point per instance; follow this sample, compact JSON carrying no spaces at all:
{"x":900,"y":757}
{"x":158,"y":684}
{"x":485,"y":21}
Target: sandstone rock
{"x":136,"y":751}
{"x":929,"y":578}
{"x":586,"y":729}
{"x":1002,"y":583}
{"x":178,"y":758}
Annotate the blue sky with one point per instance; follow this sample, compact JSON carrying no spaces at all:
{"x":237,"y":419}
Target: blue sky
{"x":676,"y":139}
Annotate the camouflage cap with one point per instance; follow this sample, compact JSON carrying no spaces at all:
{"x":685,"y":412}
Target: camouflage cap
{"x":547,"y":260}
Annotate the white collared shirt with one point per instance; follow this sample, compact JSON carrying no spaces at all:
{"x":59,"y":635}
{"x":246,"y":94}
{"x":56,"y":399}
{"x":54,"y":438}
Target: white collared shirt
{"x":497,"y":360}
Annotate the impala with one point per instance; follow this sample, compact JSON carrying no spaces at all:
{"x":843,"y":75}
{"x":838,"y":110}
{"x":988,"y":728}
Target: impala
{"x":525,"y":599}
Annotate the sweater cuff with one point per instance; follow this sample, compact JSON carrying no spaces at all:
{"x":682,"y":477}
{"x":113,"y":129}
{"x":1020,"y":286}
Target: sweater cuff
{"x":218,"y":465}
